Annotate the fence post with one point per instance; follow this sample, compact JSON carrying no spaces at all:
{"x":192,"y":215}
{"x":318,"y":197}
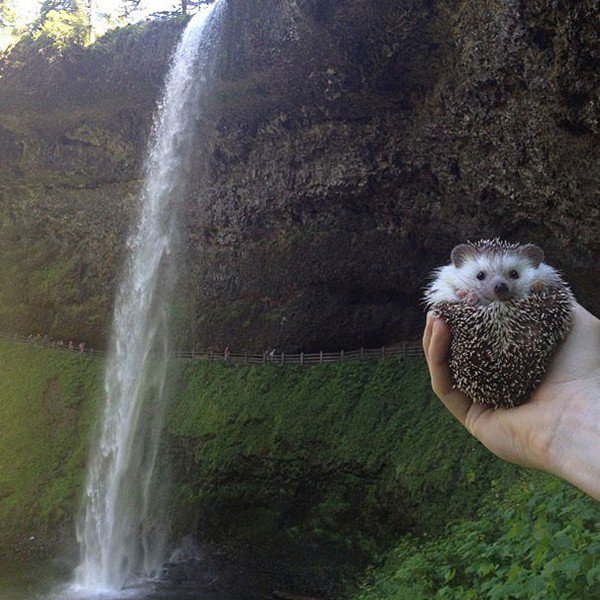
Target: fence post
{"x":321,"y":357}
{"x":264,"y":358}
{"x":341,"y":355}
{"x":246,"y":358}
{"x":383,"y":352}
{"x":282,"y":358}
{"x":210,"y":356}
{"x":192,"y":353}
{"x":362,"y":352}
{"x":301,"y":358}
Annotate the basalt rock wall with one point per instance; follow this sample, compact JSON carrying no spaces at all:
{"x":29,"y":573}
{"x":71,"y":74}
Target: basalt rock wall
{"x":73,"y":129}
{"x":346,"y":147}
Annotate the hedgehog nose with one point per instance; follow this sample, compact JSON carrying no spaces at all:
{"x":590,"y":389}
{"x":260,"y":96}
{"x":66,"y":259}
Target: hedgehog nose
{"x":502,"y":290}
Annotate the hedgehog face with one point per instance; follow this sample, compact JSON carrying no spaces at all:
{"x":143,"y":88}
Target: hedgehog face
{"x":491,"y":271}
{"x":497,"y":277}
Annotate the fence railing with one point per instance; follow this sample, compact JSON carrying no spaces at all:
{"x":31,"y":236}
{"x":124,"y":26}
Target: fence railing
{"x":50,"y":344}
{"x":407,"y":349}
{"x":403,"y":350}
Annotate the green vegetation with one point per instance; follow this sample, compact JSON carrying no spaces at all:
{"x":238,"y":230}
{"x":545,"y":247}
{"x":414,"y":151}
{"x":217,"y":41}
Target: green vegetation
{"x":357,"y":456}
{"x":63,"y":23}
{"x":47,"y":403}
{"x":538,"y":539}
{"x":7,"y":14}
{"x":359,"y":452}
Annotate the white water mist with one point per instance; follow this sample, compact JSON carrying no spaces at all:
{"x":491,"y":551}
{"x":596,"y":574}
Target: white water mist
{"x":122,"y":530}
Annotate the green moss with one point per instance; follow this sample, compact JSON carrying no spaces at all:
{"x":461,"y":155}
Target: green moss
{"x":358,"y":451}
{"x":47,"y":409}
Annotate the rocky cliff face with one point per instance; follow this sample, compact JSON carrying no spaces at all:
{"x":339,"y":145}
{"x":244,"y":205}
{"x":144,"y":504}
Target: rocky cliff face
{"x":347,"y":147}
{"x":73,"y":130}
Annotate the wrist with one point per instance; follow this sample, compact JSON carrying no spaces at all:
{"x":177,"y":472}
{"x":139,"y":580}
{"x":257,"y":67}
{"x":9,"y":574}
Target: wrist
{"x":576,"y":458}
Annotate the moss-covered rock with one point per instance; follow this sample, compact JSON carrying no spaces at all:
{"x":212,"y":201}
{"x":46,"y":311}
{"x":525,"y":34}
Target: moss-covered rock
{"x":346,"y":457}
{"x":48,"y":405}
{"x":355,"y":447}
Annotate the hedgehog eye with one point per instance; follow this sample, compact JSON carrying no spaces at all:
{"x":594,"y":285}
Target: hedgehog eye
{"x":481,"y":275}
{"x":513,"y":274}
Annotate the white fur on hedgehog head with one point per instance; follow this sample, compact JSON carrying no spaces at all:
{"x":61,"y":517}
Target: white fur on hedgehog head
{"x":491,"y":271}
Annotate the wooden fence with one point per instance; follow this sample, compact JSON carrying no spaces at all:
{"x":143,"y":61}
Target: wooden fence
{"x":402,"y":350}
{"x":49,"y":344}
{"x":406,"y":349}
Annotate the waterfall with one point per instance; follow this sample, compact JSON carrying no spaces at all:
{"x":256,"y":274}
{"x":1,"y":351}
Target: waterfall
{"x":122,"y":529}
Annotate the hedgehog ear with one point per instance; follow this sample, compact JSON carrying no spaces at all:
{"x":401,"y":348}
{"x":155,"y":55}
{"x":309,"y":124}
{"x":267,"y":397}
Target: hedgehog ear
{"x":534,"y":253}
{"x":460,"y":253}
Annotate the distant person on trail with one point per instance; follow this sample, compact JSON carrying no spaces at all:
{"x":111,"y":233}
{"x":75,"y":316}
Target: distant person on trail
{"x":557,"y":430}
{"x":71,"y":346}
{"x":226,"y":354}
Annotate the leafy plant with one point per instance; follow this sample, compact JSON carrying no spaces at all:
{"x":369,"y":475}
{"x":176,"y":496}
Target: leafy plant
{"x":539,"y":539}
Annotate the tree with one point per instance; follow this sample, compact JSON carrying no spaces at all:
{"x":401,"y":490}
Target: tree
{"x":47,"y":6}
{"x":64,"y":22}
{"x":187,"y":4}
{"x":8,"y":16}
{"x":127,"y":7}
{"x":181,"y":7}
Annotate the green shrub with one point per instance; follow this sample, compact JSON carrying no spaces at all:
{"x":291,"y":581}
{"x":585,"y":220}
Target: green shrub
{"x":538,"y":540}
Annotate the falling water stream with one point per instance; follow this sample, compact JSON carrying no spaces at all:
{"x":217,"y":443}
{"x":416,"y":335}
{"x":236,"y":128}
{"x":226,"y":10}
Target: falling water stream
{"x":122,"y":529}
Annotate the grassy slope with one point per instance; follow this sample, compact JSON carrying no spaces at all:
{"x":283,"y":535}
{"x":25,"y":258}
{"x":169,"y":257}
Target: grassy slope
{"x":354,"y":453}
{"x":46,"y":413}
{"x":359,"y":451}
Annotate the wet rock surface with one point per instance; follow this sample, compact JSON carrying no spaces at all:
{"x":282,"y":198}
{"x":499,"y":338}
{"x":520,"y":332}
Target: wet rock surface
{"x":255,"y":572}
{"x":345,"y":150}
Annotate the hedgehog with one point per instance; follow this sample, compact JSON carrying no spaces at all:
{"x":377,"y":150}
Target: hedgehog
{"x":508,"y":312}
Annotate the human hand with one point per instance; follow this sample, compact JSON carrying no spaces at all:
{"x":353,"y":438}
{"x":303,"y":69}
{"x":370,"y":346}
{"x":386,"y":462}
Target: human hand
{"x":558,"y":430}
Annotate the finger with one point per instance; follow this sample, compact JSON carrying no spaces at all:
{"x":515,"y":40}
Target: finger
{"x":427,"y":333}
{"x":438,"y":350}
{"x":441,"y":378}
